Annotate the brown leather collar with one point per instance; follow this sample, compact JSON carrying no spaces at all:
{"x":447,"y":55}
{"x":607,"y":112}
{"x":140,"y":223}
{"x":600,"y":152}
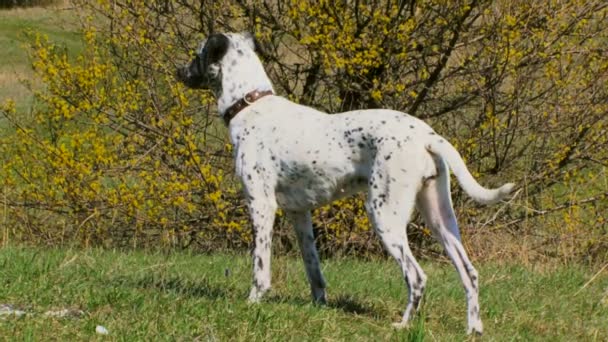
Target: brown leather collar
{"x":239,"y":105}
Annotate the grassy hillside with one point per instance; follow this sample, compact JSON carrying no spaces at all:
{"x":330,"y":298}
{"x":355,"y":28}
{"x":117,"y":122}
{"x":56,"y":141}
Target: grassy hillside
{"x":57,"y":23}
{"x":181,"y":296}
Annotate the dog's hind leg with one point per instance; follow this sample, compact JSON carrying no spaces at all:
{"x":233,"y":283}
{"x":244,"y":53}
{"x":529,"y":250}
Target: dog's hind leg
{"x":435,"y":204}
{"x":390,"y":205}
{"x":302,"y":222}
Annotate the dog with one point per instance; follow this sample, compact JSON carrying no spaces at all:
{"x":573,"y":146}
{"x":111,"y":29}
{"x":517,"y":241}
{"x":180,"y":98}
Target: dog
{"x":297,"y":158}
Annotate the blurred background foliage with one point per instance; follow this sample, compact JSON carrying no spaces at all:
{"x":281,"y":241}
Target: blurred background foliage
{"x":116,"y":153}
{"x":26,"y":3}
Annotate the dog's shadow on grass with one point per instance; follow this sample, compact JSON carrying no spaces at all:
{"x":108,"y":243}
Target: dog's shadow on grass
{"x":203,"y":288}
{"x":344,"y":303}
{"x":180,"y":286}
{"x":351,"y":305}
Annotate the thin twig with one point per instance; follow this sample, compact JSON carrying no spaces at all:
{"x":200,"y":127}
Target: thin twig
{"x":591,"y":280}
{"x":556,"y":208}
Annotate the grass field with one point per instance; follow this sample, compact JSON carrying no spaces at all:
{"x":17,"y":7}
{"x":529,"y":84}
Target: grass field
{"x":183,"y":296}
{"x":57,"y":23}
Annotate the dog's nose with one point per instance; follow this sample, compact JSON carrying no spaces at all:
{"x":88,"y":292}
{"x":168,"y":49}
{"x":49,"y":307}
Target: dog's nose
{"x":181,"y":74}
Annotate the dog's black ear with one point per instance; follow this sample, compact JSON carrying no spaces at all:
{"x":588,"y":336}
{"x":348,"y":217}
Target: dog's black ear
{"x":215,"y":48}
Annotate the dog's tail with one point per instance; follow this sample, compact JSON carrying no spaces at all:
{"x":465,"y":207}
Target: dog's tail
{"x":480,"y":194}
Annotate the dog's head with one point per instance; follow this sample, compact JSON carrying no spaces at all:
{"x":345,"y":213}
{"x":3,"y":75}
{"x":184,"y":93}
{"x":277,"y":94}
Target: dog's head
{"x":205,"y":70}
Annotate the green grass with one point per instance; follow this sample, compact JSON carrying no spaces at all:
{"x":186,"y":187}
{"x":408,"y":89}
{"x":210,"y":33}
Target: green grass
{"x":184,"y":296}
{"x":60,"y":26}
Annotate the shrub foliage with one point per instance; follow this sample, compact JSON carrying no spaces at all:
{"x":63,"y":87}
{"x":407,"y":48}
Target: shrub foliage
{"x":118,"y":152}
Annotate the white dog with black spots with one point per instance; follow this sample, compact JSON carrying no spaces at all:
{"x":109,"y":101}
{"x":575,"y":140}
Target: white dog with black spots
{"x":298,"y":158}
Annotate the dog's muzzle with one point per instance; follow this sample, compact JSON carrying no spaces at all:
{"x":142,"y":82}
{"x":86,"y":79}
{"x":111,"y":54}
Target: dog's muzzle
{"x":190,"y":80}
{"x":181,"y":74}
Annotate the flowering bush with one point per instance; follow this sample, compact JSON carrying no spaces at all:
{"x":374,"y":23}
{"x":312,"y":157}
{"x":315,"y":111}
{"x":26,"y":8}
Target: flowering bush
{"x":115,"y":150}
{"x":118,"y":147}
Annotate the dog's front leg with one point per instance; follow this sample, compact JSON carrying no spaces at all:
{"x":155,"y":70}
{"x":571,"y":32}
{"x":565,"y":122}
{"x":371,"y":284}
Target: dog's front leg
{"x":262,"y":212}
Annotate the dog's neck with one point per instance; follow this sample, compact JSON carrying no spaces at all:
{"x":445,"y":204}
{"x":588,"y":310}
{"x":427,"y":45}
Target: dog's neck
{"x":242,"y":73}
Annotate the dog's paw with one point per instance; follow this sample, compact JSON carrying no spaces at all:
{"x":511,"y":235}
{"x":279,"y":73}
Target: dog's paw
{"x":318,"y":296}
{"x":400,"y":325}
{"x":253,"y":300}
{"x":256,"y":294}
{"x":254,"y":297}
{"x":320,"y":301}
{"x":475,"y":329}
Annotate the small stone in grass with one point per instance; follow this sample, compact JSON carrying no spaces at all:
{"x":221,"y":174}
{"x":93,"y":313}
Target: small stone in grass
{"x":101,"y":330}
